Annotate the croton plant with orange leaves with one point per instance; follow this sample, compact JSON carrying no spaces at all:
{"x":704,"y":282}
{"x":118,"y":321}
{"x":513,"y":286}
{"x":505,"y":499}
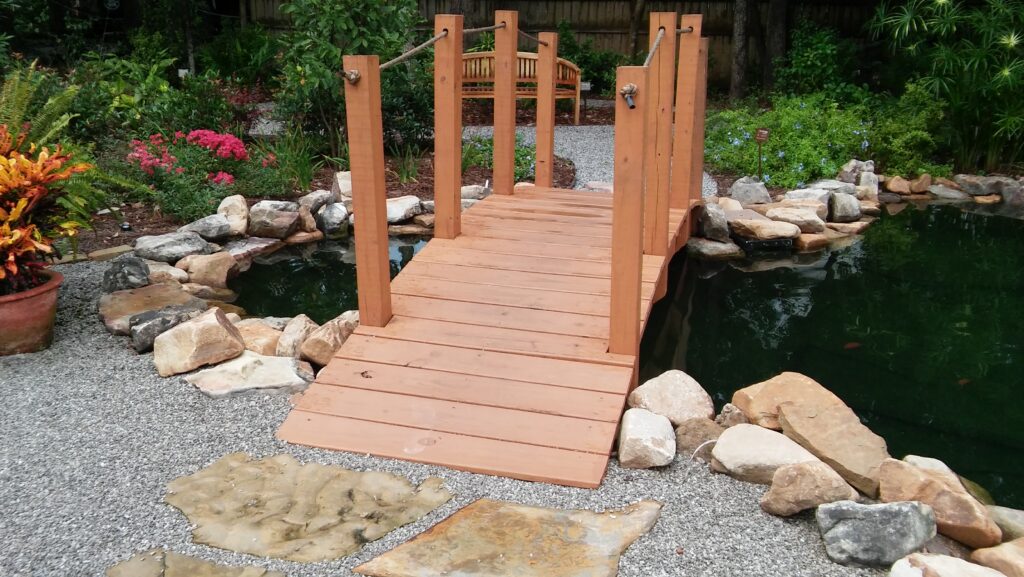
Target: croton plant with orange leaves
{"x":31,"y":180}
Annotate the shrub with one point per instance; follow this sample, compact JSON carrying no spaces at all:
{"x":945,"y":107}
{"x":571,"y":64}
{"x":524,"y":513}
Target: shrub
{"x":973,"y":59}
{"x":818,"y":60}
{"x":812,"y":136}
{"x":596,"y":66}
{"x":907,"y":133}
{"x":479,"y":151}
{"x":244,"y":55}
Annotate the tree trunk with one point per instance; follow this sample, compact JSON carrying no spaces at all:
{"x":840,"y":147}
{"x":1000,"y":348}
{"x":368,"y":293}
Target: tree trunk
{"x":740,"y":38}
{"x":190,"y":47}
{"x":634,"y":25}
{"x":243,"y":13}
{"x":775,"y":39}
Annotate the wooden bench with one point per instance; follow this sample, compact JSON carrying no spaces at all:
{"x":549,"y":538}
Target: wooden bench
{"x":478,"y":78}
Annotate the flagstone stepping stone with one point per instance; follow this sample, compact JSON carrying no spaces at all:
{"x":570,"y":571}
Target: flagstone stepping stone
{"x":117,"y":308}
{"x":489,"y":538}
{"x":160,"y":563}
{"x":278,"y":507}
{"x":253,"y":372}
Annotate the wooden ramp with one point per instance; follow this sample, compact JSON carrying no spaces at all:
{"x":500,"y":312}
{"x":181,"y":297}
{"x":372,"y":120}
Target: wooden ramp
{"x":496,"y":359}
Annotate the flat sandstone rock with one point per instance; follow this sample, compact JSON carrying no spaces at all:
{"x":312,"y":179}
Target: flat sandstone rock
{"x":160,"y":563}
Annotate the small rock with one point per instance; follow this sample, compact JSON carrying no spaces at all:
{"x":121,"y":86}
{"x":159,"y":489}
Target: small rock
{"x":145,"y":327}
{"x":258,"y":337}
{"x":428,"y":206}
{"x":341,"y":185}
{"x":109,"y":253}
{"x":253,"y":372}
{"x":942,"y":545}
{"x":930,"y":565}
{"x":294,"y":334}
{"x":645,"y":440}
{"x":745,"y":214}
{"x":803,"y":486}
{"x":1010,"y":521}
{"x":988,"y":199}
{"x":321,"y":344}
{"x":212,"y":270}
{"x":731,"y":416}
{"x":819,"y":209}
{"x":764,"y":229}
{"x":693,"y":433}
{"x":267,"y":221}
{"x":409,"y":230}
{"x":870,"y":208}
{"x":889,"y":198}
{"x":117,"y":308}
{"x":1007,"y":558}
{"x":753,"y":454}
{"x":712,"y":223}
{"x":424,"y":220}
{"x":712,"y":249}
{"x":171,"y":247}
{"x":898,"y":185}
{"x":810,"y":242}
{"x":869,"y":181}
{"x":834,"y":434}
{"x":276,"y":323}
{"x":520,"y":185}
{"x":306,"y":221}
{"x":233,"y":312}
{"x":958,"y":515}
{"x":304,"y":237}
{"x":921,"y":184}
{"x":212,"y":228}
{"x":210,"y":293}
{"x":749,"y":190}
{"x":315,"y":200}
{"x":248,"y":248}
{"x":987,"y":185}
{"x":729,"y":204}
{"x":163,"y":272}
{"x":849,"y":227}
{"x":474,"y":191}
{"x":814,"y":194}
{"x":835,"y":187}
{"x":125,"y":273}
{"x":947,"y":193}
{"x":760,"y":401}
{"x":282,"y":205}
{"x":807,"y":220}
{"x":332,"y":219}
{"x":844,"y":208}
{"x":235,"y":210}
{"x":675,"y":395}
{"x":205,"y":340}
{"x":850,"y":171}
{"x":874,"y":535}
{"x":402,"y":208}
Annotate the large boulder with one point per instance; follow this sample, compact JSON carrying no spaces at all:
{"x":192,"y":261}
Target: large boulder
{"x":259,"y":337}
{"x":812,"y":194}
{"x":753,"y":454}
{"x":730,"y":416}
{"x":805,"y":219}
{"x":125,"y":273}
{"x":835,"y":435}
{"x":294,"y":334}
{"x":874,"y":535}
{"x":675,"y":395}
{"x":869,"y":182}
{"x":818,"y":208}
{"x":163,"y":272}
{"x":205,"y":340}
{"x":834,"y":186}
{"x":898,"y":185}
{"x":321,"y":344}
{"x":171,"y":247}
{"x":1010,"y":521}
{"x":341,"y":185}
{"x":473,"y":191}
{"x":117,"y":308}
{"x":146,"y":327}
{"x":213,"y":228}
{"x":958,"y":514}
{"x":844,"y":208}
{"x":235,"y":210}
{"x":803,"y":486}
{"x":207,"y":292}
{"x":760,"y":401}
{"x":811,"y":242}
{"x":748,"y":190}
{"x":246,"y":249}
{"x":645,"y":440}
{"x":931,"y":565}
{"x":332,"y":219}
{"x":987,"y":185}
{"x":253,"y":372}
{"x":712,"y":223}
{"x":853,"y":169}
{"x":764,"y":229}
{"x":316,"y":200}
{"x":307,"y":223}
{"x":403,"y":208}
{"x":946,"y":193}
{"x":1007,"y":558}
{"x":212,"y":270}
{"x":693,"y":434}
{"x":729,"y":204}
{"x":707,"y":249}
{"x":271,"y":219}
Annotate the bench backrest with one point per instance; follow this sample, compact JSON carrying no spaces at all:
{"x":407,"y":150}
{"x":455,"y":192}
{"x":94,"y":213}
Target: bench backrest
{"x":478,"y":67}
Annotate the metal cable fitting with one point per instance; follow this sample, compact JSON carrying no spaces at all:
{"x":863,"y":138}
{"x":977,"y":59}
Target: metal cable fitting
{"x":352,"y":76}
{"x":628,"y":92}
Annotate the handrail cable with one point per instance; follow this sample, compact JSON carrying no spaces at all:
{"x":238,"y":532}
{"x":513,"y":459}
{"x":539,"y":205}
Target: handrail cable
{"x":534,"y":38}
{"x":686,"y":30}
{"x":484,"y":29}
{"x":654,"y":47}
{"x":412,"y":52}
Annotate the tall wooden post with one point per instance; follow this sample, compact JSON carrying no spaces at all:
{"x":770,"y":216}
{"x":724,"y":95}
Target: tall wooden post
{"x":659,"y":129}
{"x":506,"y":40}
{"x":547,"y":70}
{"x":700,"y":103}
{"x":628,"y":211}
{"x":366,"y":158}
{"x":686,"y":101}
{"x":448,"y":127}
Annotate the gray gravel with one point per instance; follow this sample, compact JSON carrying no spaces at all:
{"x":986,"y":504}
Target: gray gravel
{"x":92,"y":436}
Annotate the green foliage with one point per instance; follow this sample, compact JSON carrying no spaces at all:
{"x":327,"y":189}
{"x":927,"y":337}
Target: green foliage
{"x":43,"y":124}
{"x":479,"y":151}
{"x":908,"y":132}
{"x":972,"y":54}
{"x":484,"y":43}
{"x":295,"y":154}
{"x":818,"y":60}
{"x":245,"y":55}
{"x":407,"y":163}
{"x":812,"y":136}
{"x":596,"y":66}
{"x":6,"y":61}
{"x":322,"y":32}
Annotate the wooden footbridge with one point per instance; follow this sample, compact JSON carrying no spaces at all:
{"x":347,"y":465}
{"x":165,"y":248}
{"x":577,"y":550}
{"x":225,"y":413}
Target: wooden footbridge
{"x":509,"y":343}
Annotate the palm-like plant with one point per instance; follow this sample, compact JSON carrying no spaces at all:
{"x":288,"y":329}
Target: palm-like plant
{"x":973,"y":57}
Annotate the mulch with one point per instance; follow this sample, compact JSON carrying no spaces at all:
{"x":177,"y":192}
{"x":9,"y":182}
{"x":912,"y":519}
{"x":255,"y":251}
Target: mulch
{"x":481,"y":113}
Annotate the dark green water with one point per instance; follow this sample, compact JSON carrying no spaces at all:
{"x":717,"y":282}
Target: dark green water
{"x":919,"y":328}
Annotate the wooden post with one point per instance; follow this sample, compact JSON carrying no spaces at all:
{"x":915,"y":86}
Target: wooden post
{"x":697,"y":146}
{"x":448,"y":127}
{"x":366,"y":158}
{"x":659,"y":129}
{"x":505,"y":71}
{"x":628,"y":211}
{"x":547,"y":69}
{"x":686,"y":100}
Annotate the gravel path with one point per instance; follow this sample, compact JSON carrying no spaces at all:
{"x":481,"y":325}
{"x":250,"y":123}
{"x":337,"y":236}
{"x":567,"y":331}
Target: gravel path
{"x":91,"y":437}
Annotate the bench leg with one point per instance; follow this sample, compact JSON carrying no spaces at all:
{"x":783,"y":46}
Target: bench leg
{"x":576,"y":118}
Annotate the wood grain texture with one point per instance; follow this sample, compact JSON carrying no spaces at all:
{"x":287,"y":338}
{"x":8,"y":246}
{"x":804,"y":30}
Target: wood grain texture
{"x":448,"y":127}
{"x":547,"y":67}
{"x":505,"y":64}
{"x":686,"y":106}
{"x":659,"y":131}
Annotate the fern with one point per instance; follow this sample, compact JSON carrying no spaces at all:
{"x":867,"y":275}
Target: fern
{"x":44,"y":127}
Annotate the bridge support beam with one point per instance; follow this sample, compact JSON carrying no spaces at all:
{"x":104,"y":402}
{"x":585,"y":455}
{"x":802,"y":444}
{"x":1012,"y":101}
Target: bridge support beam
{"x":547,"y":70}
{"x":683,"y":170}
{"x":506,"y":40}
{"x":448,"y":127}
{"x":659,"y":130}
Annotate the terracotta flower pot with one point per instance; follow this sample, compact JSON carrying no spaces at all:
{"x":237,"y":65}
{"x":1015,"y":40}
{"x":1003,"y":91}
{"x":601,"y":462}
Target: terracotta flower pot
{"x":28,"y":317}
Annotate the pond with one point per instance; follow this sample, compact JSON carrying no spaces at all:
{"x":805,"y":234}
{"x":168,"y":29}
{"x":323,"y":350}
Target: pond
{"x":919,"y":327}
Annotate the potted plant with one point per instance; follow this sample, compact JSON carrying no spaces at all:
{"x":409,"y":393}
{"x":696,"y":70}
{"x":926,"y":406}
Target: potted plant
{"x":32,"y":182}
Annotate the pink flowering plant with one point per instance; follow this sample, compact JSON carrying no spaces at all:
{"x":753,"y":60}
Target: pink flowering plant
{"x":191,"y":172}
